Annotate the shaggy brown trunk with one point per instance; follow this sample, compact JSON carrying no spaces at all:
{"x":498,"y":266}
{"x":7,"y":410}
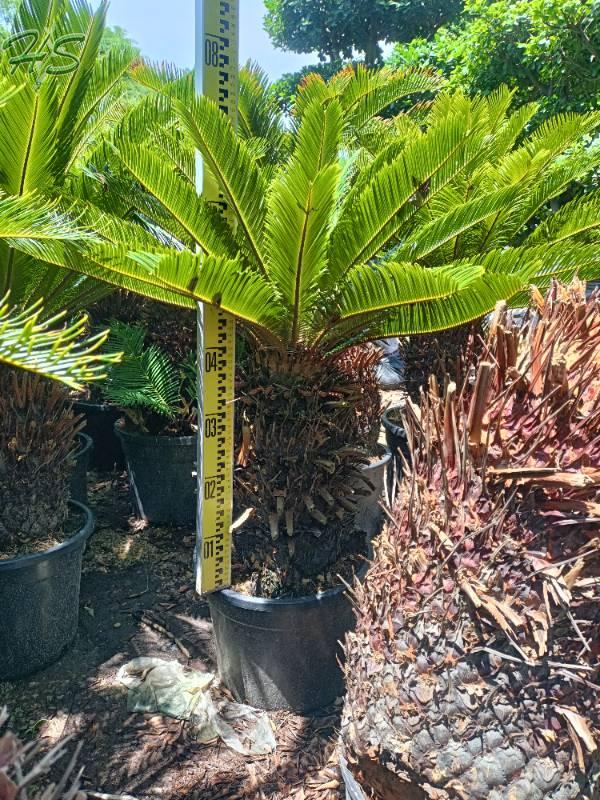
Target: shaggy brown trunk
{"x":447,"y":353}
{"x":474,"y":671}
{"x":306,"y":423}
{"x":37,"y":444}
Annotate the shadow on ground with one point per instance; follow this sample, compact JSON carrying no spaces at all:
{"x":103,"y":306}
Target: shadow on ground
{"x":137,"y":600}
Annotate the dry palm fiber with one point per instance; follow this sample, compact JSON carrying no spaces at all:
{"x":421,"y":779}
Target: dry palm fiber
{"x":473,"y":672}
{"x":37,"y":447}
{"x":24,"y":770}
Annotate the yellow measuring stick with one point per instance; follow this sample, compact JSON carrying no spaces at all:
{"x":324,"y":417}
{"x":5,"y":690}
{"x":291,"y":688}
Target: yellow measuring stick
{"x":217,"y":48}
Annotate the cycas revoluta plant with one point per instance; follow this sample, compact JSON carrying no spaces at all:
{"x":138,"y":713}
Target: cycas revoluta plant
{"x":474,"y":669}
{"x":37,"y":447}
{"x":156,"y":394}
{"x":342,"y":244}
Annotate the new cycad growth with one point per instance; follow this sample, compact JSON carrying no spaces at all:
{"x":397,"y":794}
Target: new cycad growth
{"x":157,"y":395}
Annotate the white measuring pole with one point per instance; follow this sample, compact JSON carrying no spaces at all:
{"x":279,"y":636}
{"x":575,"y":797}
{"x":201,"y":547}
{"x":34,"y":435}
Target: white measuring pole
{"x":217,"y":49}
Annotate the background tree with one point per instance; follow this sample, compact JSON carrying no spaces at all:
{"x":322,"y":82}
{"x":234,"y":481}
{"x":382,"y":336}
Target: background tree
{"x":548,"y":50}
{"x":338,"y":28}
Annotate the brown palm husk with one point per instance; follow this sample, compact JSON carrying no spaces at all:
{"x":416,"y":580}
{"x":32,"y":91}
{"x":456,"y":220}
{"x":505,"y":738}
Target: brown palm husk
{"x":306,"y":423}
{"x":37,"y":448}
{"x":474,"y":669}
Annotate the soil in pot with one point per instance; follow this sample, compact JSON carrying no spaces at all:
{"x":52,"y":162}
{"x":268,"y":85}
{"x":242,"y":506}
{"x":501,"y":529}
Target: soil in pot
{"x":39,"y":597}
{"x":79,"y":476}
{"x":161,"y":476}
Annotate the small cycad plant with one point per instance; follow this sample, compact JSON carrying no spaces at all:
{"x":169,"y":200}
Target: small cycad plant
{"x":156,"y":395}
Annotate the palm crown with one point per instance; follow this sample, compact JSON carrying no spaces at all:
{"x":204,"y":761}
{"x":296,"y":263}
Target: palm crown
{"x":365,"y":227}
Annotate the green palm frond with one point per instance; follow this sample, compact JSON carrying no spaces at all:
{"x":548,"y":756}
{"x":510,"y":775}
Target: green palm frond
{"x":230,"y":161}
{"x":371,"y":221}
{"x":373,"y":289}
{"x":578,"y":218}
{"x":259,"y":116}
{"x":37,"y":345}
{"x":162,"y":78}
{"x":201,"y":222}
{"x":370,"y":91}
{"x":301,"y":203}
{"x":31,"y":217}
{"x":448,"y":227}
{"x":365,"y":93}
{"x":145,"y":378}
{"x":368,"y":228}
{"x":49,"y":124}
{"x":430,"y":314}
{"x":543,"y":262}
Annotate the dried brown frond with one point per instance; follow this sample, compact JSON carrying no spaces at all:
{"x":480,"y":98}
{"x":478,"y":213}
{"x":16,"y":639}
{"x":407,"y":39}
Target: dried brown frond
{"x":24,"y":770}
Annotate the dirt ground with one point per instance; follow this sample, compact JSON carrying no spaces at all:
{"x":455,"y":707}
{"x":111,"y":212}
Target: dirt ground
{"x":137,"y":600}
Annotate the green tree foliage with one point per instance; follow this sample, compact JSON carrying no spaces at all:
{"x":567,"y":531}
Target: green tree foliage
{"x":337,"y":28}
{"x":549,"y":50}
{"x":286,"y":88}
{"x":117,"y":37}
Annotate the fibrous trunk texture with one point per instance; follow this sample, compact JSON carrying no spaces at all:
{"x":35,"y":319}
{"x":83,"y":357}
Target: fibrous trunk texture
{"x":438,"y":354}
{"x":474,"y":669}
{"x":37,"y":446}
{"x":306,"y":423}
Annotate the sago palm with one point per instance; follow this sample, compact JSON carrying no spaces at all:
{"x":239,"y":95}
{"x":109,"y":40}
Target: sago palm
{"x":330,"y":249}
{"x":56,"y":107}
{"x":340,"y":245}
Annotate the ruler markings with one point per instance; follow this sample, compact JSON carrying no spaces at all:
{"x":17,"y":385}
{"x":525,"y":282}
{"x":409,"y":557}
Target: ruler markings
{"x":217,"y":78}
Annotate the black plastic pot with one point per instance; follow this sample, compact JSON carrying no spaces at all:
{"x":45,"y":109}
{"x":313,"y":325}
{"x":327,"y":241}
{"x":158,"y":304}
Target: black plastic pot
{"x":285,"y":653}
{"x":100,"y":421}
{"x":79,"y":481}
{"x":39,"y":604}
{"x":161,"y":476}
{"x":370,"y":514}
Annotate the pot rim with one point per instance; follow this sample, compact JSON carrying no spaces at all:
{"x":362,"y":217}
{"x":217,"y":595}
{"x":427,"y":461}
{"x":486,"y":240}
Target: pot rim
{"x":381,"y":462}
{"x":101,"y":407}
{"x":393,"y":427}
{"x":87,"y":444}
{"x":265,"y":604}
{"x":84,"y":533}
{"x":162,"y":441}
{"x":353,"y":788}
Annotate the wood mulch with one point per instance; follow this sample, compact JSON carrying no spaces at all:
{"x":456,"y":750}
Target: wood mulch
{"x":137,"y":599}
